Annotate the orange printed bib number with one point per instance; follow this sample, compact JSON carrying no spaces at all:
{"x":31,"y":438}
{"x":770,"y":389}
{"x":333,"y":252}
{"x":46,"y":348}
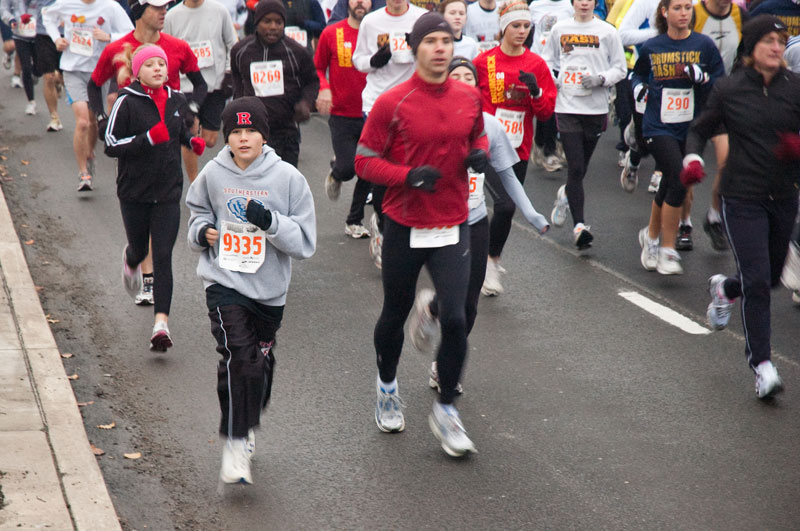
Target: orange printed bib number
{"x":401,"y":51}
{"x":513,"y":123}
{"x":242,"y":247}
{"x":677,"y":105}
{"x":27,"y":30}
{"x":267,"y":78}
{"x":434,"y":237}
{"x":300,"y":36}
{"x":82,"y":42}
{"x":475,"y":189}
{"x":572,"y":77}
{"x":204,"y":53}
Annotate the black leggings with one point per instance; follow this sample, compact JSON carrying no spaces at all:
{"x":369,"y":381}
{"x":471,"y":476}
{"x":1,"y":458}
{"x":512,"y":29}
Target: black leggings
{"x":345,"y":133}
{"x":479,"y":249}
{"x":159,"y":221}
{"x":449,"y":269}
{"x":579,"y":136}
{"x":27,"y":58}
{"x":545,"y":135}
{"x":668,"y":153}
{"x":500,"y":225}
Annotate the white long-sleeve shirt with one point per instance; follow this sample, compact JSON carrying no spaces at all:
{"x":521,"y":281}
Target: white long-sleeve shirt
{"x":579,"y":49}
{"x":544,"y":15}
{"x":400,"y":67}
{"x":482,"y":25}
{"x":639,"y":12}
{"x":79,"y":19}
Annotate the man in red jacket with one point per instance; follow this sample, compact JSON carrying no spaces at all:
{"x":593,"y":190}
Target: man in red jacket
{"x":418,"y":141}
{"x":340,"y":97}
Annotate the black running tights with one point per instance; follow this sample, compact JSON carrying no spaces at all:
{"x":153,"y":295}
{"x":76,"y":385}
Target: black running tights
{"x":500,"y":225}
{"x":159,"y":221}
{"x":27,"y":58}
{"x":579,"y":138}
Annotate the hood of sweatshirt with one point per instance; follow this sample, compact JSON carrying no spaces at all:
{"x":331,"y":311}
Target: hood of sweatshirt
{"x":265,"y":161}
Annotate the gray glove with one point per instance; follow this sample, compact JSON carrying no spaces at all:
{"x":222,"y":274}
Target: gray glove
{"x":589,"y":82}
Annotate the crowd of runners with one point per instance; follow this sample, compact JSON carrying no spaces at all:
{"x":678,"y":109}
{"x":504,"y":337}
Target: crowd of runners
{"x":430,"y":107}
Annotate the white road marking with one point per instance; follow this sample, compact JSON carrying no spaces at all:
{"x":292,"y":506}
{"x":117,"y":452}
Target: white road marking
{"x":665,"y":314}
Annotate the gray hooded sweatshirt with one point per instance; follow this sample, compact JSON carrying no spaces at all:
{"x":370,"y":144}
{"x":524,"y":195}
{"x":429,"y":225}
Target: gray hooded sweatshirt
{"x":220,"y":194}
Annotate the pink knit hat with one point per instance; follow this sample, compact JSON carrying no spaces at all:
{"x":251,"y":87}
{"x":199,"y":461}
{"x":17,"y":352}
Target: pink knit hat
{"x":143,"y":54}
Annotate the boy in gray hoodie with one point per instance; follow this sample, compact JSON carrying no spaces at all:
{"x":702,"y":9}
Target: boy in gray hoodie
{"x":251,"y":213}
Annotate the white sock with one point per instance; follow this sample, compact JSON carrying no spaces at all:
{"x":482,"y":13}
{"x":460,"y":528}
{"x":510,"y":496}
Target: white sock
{"x":687,"y":222}
{"x":713,"y":215}
{"x":388,"y":387}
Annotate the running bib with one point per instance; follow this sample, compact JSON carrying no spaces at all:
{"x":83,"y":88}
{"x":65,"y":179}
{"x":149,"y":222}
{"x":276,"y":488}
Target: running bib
{"x":401,"y":51}
{"x":572,"y":77}
{"x":435,"y":237}
{"x":512,"y":121}
{"x":475,"y":189}
{"x":203,"y":52}
{"x":242,"y":247}
{"x":487,"y":45}
{"x":267,"y":78}
{"x":677,"y":105}
{"x":81,"y":42}
{"x":300,"y":36}
{"x":27,"y":30}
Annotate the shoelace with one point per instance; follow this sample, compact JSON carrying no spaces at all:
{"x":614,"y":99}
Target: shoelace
{"x":391,"y":402}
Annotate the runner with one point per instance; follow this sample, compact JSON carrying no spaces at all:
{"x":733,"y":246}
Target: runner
{"x":89,"y":25}
{"x":499,"y":179}
{"x":677,"y":70}
{"x":304,"y":22}
{"x":786,"y":10}
{"x":587,"y":53}
{"x":341,"y":99}
{"x":759,"y":107}
{"x":207,"y":27}
{"x":281,"y":73}
{"x":544,"y":15}
{"x":483,"y":23}
{"x":418,"y":141}
{"x":384,"y":55}
{"x":10,"y":57}
{"x":515,"y":85}
{"x":792,"y":54}
{"x":251,"y":213}
{"x":37,"y":54}
{"x":455,"y":13}
{"x":145,"y":128}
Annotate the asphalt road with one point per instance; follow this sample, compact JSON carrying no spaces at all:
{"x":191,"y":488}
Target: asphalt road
{"x":587,"y":411}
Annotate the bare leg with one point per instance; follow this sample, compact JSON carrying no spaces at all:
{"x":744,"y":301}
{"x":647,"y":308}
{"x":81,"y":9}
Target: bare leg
{"x":84,"y":135}
{"x":670,"y":217}
{"x":147,"y":263}
{"x":50,"y":92}
{"x":190,"y":163}
{"x":686,"y":208}
{"x":654,"y":227}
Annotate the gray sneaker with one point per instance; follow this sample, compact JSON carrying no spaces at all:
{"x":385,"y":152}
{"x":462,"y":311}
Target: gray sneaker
{"x":422,"y":325}
{"x":433,"y":381}
{"x":332,"y":187}
{"x":145,"y":295}
{"x":388,"y":410}
{"x":131,"y":276}
{"x":719,"y":309}
{"x":446,"y":426}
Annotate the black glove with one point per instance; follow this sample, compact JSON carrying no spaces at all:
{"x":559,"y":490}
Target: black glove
{"x":381,"y":57}
{"x":102,"y":125}
{"x":258,"y":215}
{"x":423,"y":178}
{"x":477,"y":159}
{"x":227,"y":85}
{"x":695,"y":74}
{"x":530,"y":81}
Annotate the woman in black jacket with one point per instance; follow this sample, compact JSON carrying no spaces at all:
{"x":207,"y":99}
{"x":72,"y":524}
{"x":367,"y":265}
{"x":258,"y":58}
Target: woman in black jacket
{"x":760,"y":109}
{"x":145,"y":131}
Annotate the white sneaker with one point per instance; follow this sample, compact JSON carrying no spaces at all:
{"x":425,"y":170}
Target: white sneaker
{"x":649,"y":255}
{"x":446,"y":426}
{"x":629,"y":134}
{"x":356,"y":231}
{"x":160,"y":341}
{"x":55,"y":123}
{"x":30,"y":108}
{"x":235,"y":462}
{"x":655,"y":182}
{"x":796,"y":296}
{"x":719,"y":309}
{"x":552,"y":163}
{"x":389,"y":410}
{"x":332,"y":186}
{"x":583,"y":238}
{"x":562,"y":157}
{"x":669,"y":262}
{"x":422,"y":325}
{"x":790,"y":276}
{"x":376,"y":241}
{"x":537,"y":155}
{"x":629,"y":176}
{"x":433,"y":381}
{"x":145,"y":295}
{"x":560,"y":207}
{"x":621,"y":158}
{"x":250,"y":443}
{"x":16,"y":82}
{"x":131,"y":277}
{"x":491,"y":282}
{"x":768,"y":383}
{"x":8,"y":60}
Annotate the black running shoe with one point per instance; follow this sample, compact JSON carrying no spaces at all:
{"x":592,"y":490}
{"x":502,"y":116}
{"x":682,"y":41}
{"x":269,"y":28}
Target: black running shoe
{"x":717,"y":234}
{"x":684,"y":240}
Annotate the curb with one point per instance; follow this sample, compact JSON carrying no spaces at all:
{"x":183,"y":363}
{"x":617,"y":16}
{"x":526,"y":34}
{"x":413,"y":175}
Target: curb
{"x":82,"y":483}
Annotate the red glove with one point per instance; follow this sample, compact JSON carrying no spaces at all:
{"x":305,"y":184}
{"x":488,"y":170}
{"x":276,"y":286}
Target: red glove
{"x":251,"y":4}
{"x":25,"y":18}
{"x":100,"y":21}
{"x":198,"y":145}
{"x":788,"y":148}
{"x":692,"y":173}
{"x":158,"y":133}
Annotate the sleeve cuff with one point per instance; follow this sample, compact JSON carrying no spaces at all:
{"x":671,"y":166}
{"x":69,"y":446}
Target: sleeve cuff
{"x":273,"y":228}
{"x":693,"y":157}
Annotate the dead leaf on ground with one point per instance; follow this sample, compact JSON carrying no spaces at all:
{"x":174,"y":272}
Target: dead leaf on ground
{"x":53,"y":321}
{"x":3,"y":157}
{"x":96,"y":450}
{"x":107,"y":426}
{"x":73,"y":376}
{"x":29,"y":242}
{"x":66,"y":355}
{"x":38,"y":289}
{"x":84,"y":404}
{"x":25,"y":162}
{"x":23,"y":174}
{"x":134,"y":455}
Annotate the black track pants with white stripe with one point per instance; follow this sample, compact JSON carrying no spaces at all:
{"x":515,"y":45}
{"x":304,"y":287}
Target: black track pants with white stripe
{"x":244,"y":374}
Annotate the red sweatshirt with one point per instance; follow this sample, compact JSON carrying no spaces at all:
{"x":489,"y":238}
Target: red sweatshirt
{"x":416,"y":124}
{"x":498,"y":79}
{"x":335,"y":55}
